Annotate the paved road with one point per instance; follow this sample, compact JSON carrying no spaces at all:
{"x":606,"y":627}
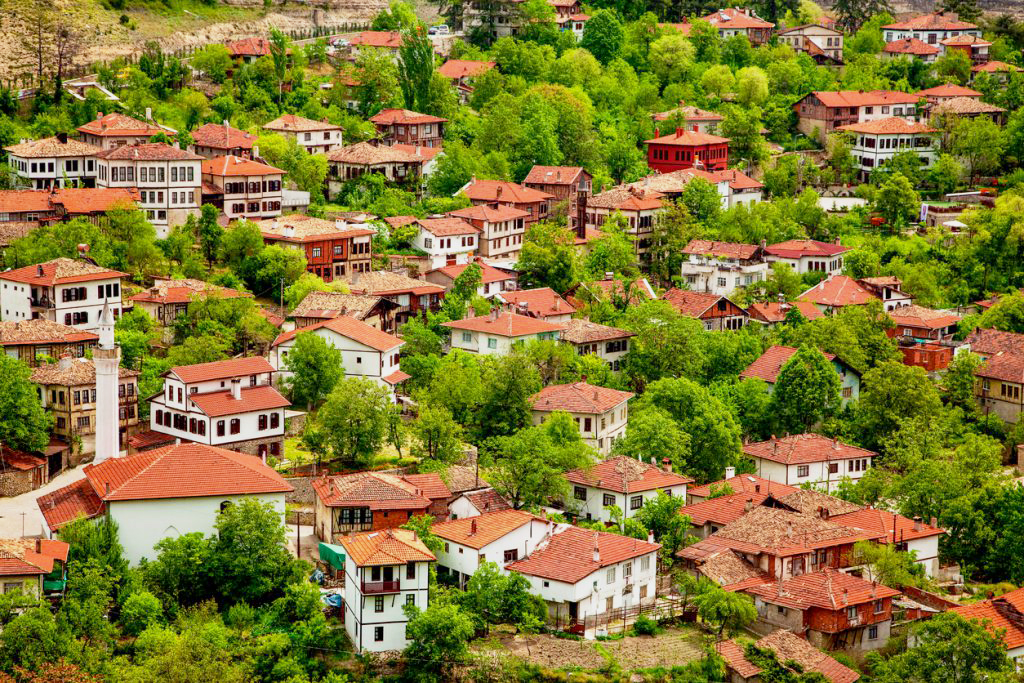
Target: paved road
{"x":11,"y":509}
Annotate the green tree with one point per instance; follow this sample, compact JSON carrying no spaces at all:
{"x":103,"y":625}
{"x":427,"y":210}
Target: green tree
{"x":806,"y":391}
{"x":140,"y":611}
{"x":751,"y":86}
{"x":24,"y":425}
{"x":87,"y":602}
{"x":897,"y":201}
{"x":603,"y":35}
{"x":415,"y":68}
{"x":32,"y":640}
{"x":494,"y":597}
{"x":959,"y":381}
{"x":613,"y":251}
{"x":893,"y":392}
{"x":316,"y":366}
{"x":548,"y":257}
{"x":954,"y":66}
{"x":666,"y":343}
{"x":438,"y":640}
{"x":438,"y":436}
{"x":279,"y":47}
{"x":889,"y":566}
{"x":210,"y":233}
{"x":181,"y":570}
{"x":508,"y":382}
{"x":653,"y":433}
{"x":213,"y":60}
{"x":355,"y":418}
{"x":979,"y":143}
{"x":725,"y":610}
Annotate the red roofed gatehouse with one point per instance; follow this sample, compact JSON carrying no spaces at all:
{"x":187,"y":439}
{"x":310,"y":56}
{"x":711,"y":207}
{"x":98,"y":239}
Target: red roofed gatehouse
{"x":164,"y":493}
{"x":624,"y":482}
{"x":600,"y":413}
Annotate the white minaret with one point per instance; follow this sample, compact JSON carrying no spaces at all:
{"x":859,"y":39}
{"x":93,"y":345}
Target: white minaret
{"x":107,"y":357}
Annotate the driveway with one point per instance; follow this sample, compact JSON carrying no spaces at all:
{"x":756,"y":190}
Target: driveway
{"x":22,"y":510}
{"x":309,"y":542}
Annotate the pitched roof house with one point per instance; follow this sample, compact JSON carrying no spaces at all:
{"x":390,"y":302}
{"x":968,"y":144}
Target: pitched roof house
{"x":714,"y":310}
{"x":787,"y":647}
{"x":29,"y":339}
{"x":601,"y":414}
{"x":501,"y":536}
{"x":621,"y":481}
{"x":808,"y":458}
{"x":1003,"y":616}
{"x":541,"y":302}
{"x":34,"y":565}
{"x":496,"y":332}
{"x":375,"y":311}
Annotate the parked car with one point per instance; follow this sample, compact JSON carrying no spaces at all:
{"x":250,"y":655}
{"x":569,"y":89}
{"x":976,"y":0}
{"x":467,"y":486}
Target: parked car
{"x":439,"y":30}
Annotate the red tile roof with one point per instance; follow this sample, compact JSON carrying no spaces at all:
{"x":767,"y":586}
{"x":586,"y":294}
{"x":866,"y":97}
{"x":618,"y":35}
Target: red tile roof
{"x":351,"y":328}
{"x":487,"y":500}
{"x":578,"y":397}
{"x":623,"y":474}
{"x":733,"y":654}
{"x":995,"y":621}
{"x":53,"y":147}
{"x":775,"y":312}
{"x":798,"y":248}
{"x":185,"y":291}
{"x":989,"y":342}
{"x":897,"y":528}
{"x":219,"y":136}
{"x":725,"y":250}
{"x":41,"y":331}
{"x":836,"y":291}
{"x":504,"y":324}
{"x":27,"y":556}
{"x":148,"y":151}
{"x":67,"y":504}
{"x":938,"y":21}
{"x":19,"y":460}
{"x":221,"y":403}
{"x":93,"y":200}
{"x":890,"y":126}
{"x":390,"y":39}
{"x":735,"y":18}
{"x":24,"y":201}
{"x":249,"y":47}
{"x":484,"y":529}
{"x":418,"y":152}
{"x":116,"y":124}
{"x":309,"y":229}
{"x":230,"y":165}
{"x":919,"y":316}
{"x":396,"y":377}
{"x":910,"y":46}
{"x":568,"y":556}
{"x":788,"y":647}
{"x":687,"y":138}
{"x":738,"y":181}
{"x":768,"y":366}
{"x":804,"y":448}
{"x":374,"y":490}
{"x":490,"y":214}
{"x":553,"y":175}
{"x":446,"y":227}
{"x":386,"y":283}
{"x":390,"y":117}
{"x":965,"y":40}
{"x":387,"y":547}
{"x":464,"y":68}
{"x":60,"y":271}
{"x":690,"y":303}
{"x":221,"y":369}
{"x":503,"y":191}
{"x":948,"y":90}
{"x":293,"y":123}
{"x":828,"y":589}
{"x":430,"y":485}
{"x":1008,"y":368}
{"x":722,"y":510}
{"x":994,"y":66}
{"x":541,"y":302}
{"x":579,"y":331}
{"x":744,"y":483}
{"x":149,"y":439}
{"x":861,"y":98}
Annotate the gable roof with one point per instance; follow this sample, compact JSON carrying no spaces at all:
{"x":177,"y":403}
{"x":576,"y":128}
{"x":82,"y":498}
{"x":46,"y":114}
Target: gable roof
{"x":623,"y":474}
{"x":293,"y":123}
{"x":61,"y":271}
{"x":221,"y":369}
{"x":812,"y":502}
{"x":965,"y":39}
{"x":994,"y":66}
{"x":722,"y":510}
{"x":27,"y":556}
{"x":351,"y":328}
{"x":390,"y":117}
{"x":503,"y":191}
{"x":182,"y":291}
{"x":67,"y":504}
{"x":374,"y":490}
{"x":554,"y":175}
{"x":768,"y":366}
{"x":775,"y":312}
{"x":799,"y":248}
{"x":486,"y":500}
{"x":804,"y":448}
{"x":1003,"y":615}
{"x":387,"y":547}
{"x":897,"y":528}
{"x":936,"y":21}
{"x":627,"y":198}
{"x":828,"y":589}
{"x":578,"y":397}
{"x":230,"y":165}
{"x":965,"y":105}
{"x":430,"y":485}
{"x":365,"y":153}
{"x":490,"y":214}
{"x":724,"y":250}
{"x":692,"y":304}
{"x":504,"y":324}
{"x":249,"y":47}
{"x":568,"y":555}
{"x":305,"y":228}
{"x":735,"y":18}
{"x":687,"y":138}
{"x":483,"y":529}
{"x":838,"y":290}
{"x":220,"y":136}
{"x":580,"y":331}
{"x":788,"y":647}
{"x":221,"y":403}
{"x":1008,"y":368}
{"x":41,"y":331}
{"x":910,"y":46}
{"x":76,"y":372}
{"x":989,"y":342}
{"x":744,"y":483}
{"x":385,"y":283}
{"x":488,"y":273}
{"x":148,"y":151}
{"x":919,"y":316}
{"x":738,"y":180}
{"x":540,"y":302}
{"x":116,"y":124}
{"x":890,"y":126}
{"x":464,"y":68}
{"x":447,"y":227}
{"x":333,"y":304}
{"x":948,"y":90}
{"x":862,"y":98}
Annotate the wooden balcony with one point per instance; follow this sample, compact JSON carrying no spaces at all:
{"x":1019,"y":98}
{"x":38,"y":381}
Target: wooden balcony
{"x":379,"y":587}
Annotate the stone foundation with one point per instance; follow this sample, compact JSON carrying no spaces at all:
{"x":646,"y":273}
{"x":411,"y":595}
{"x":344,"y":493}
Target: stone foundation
{"x":252,"y":446}
{"x":16,"y":482}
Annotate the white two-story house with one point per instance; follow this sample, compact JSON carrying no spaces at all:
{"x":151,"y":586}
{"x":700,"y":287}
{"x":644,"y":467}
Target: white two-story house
{"x":169,"y":180}
{"x":808,"y":459}
{"x":721,"y":267}
{"x":496,"y":333}
{"x":384,"y":571}
{"x":805,"y":256}
{"x":583,"y":575}
{"x":248,"y":189}
{"x":501,"y":537}
{"x":501,"y":228}
{"x":610,"y":344}
{"x":316,"y":137}
{"x":68,"y":291}
{"x":228,"y":403}
{"x":446,"y":241}
{"x":365,"y":350}
{"x":600,"y":413}
{"x":52,"y":162}
{"x":623,"y":482}
{"x":876,"y":142}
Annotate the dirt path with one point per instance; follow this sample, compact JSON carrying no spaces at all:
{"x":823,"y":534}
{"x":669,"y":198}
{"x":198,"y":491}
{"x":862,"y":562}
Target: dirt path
{"x":674,"y":647}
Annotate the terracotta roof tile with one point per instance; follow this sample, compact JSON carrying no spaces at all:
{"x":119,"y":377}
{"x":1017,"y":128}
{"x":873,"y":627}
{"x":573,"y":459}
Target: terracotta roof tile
{"x":989,"y":342}
{"x":67,"y":504}
{"x":333,"y":304}
{"x":578,"y":397}
{"x":744,"y":483}
{"x":488,"y":273}
{"x":828,"y":589}
{"x":937,"y":21}
{"x":375,"y":490}
{"x":77,"y":372}
{"x":910,"y":46}
{"x":310,"y":229}
{"x":60,"y":271}
{"x":733,"y":654}
{"x":897,"y":528}
{"x":490,"y":214}
{"x":965,"y":105}
{"x":948,"y":90}
{"x":804,"y":448}
{"x":93,"y":200}
{"x":965,"y":39}
{"x":292,"y":123}
{"x":775,"y":312}
{"x":221,"y":403}
{"x":788,"y":647}
{"x":798,"y":248}
{"x":505,"y":324}
{"x":995,"y":621}
{"x":148,"y":151}
{"x":628,"y":199}
{"x":689,"y":303}
{"x":24,"y":201}
{"x":725,"y":250}
{"x":389,"y":117}
{"x":735,"y":18}
{"x":1009,"y":368}
{"x":419,"y":152}
{"x":554,"y":175}
{"x":351,"y":328}
{"x":919,"y":316}
{"x":503,"y":191}
{"x":730,"y":571}
{"x":994,"y":66}
{"x":838,"y":290}
{"x":890,"y":126}
{"x":811,"y":502}
{"x":579,"y":331}
{"x":365,"y":153}
{"x":249,"y":47}
{"x":487,"y":500}
{"x":386,"y":283}
{"x":738,"y":181}
{"x":568,"y":555}
{"x":185,"y":291}
{"x":20,"y":460}
{"x":230,"y":165}
{"x":396,"y":377}
{"x":219,"y":136}
{"x":722,"y":510}
{"x":222,"y":369}
{"x":430,"y":485}
{"x":623,"y":474}
{"x":769,"y":365}
{"x":387,"y":547}
{"x":541,"y":302}
{"x":41,"y":331}
{"x":688,"y":138}
{"x":861,"y":98}
{"x":464,"y":68}
{"x":150,"y":439}
{"x":483,"y":529}
{"x":26,"y":556}
{"x":116,"y":124}
{"x":446,"y":227}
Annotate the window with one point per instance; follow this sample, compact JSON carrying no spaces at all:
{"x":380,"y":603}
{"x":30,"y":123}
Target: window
{"x":587,"y":424}
{"x":492,"y":343}
{"x":378,"y":633}
{"x":847,"y":392}
{"x":467,"y":337}
{"x":236,"y":425}
{"x":511,"y":555}
{"x":879,"y":606}
{"x":275,"y":420}
{"x":220,"y":427}
{"x":378,"y":603}
{"x":262,"y":420}
{"x":610,"y":577}
{"x":803,"y":470}
{"x":410,"y":571}
{"x":851,"y":612}
{"x":780,"y":609}
{"x":636,"y":502}
{"x":579,"y":493}
{"x":833,"y":467}
{"x":410,"y":599}
{"x":872,"y":633}
{"x":608,"y":499}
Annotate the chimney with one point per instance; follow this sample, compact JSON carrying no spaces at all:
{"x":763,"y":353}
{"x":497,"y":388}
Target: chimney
{"x":650,"y":537}
{"x":494,"y":314}
{"x":99,"y":115}
{"x":558,"y":302}
{"x":666,"y":464}
{"x":917,"y":523}
{"x":472,"y":527}
{"x":597,"y":549}
{"x":730,"y":472}
{"x":935,"y":522}
{"x":227,"y":130}
{"x":789,"y":529}
{"x":470,"y":312}
{"x":65,"y":361}
{"x":149,"y":113}
{"x":846,"y":596}
{"x":236,"y":389}
{"x":289,"y":230}
{"x":657,"y":132}
{"x":39,"y":270}
{"x":498,"y":192}
{"x":757,"y":488}
{"x":255,"y":151}
{"x":679,"y":132}
{"x":825,"y":513}
{"x":340,"y":225}
{"x":749,"y":505}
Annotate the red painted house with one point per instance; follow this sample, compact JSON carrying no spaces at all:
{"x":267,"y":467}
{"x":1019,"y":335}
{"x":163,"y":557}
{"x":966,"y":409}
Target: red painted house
{"x":687,"y":149}
{"x":333,"y":249}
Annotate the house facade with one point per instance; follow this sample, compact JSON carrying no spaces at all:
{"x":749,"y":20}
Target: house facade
{"x":540,"y":302}
{"x":374,"y":501}
{"x":245,"y":189}
{"x":569,"y":185}
{"x":823,"y":44}
{"x":687,"y":149}
{"x":501,"y":537}
{"x":401,"y":126}
{"x":492,"y":280}
{"x":716,"y":312}
{"x":213,"y":140}
{"x":600,"y":413}
{"x":497,"y":332}
{"x":413,"y":297}
{"x":610,"y":344}
{"x":806,"y":256}
{"x":318,"y":307}
{"x":29,"y":340}
{"x":167,"y":299}
{"x":115,"y":129}
{"x":877,"y":142}
{"x":624,"y":482}
{"x":930,"y":29}
{"x":334,"y":249}
{"x":316,"y":137}
{"x":736,"y":21}
{"x":501,"y":229}
{"x":495,"y":193}
{"x":808,"y":459}
{"x":721,"y":267}
{"x":52,"y":162}
{"x":68,"y":291}
{"x":768,"y":366}
{"x":446,"y":241}
{"x":821,"y":112}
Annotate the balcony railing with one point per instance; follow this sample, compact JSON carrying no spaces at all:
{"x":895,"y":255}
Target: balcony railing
{"x":41,"y":302}
{"x":378,"y":587}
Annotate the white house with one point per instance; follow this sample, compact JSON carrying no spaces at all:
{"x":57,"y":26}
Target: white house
{"x":808,"y":459}
{"x":384,"y":571}
{"x":721,"y":267}
{"x":610,"y":344}
{"x":169,"y":180}
{"x":501,"y":228}
{"x":876,"y":142}
{"x":227,"y":403}
{"x":540,"y":302}
{"x":909,"y":535}
{"x":889,"y":289}
{"x":931,"y":29}
{"x":495,"y":333}
{"x":164,"y":493}
{"x":600,"y":413}
{"x":313,"y":136}
{"x":365,"y":350}
{"x":492,"y":280}
{"x":583,"y":575}
{"x":768,"y":366}
{"x":68,"y":291}
{"x":476,"y":502}
{"x":501,"y":537}
{"x":623,"y":482}
{"x":117,"y":130}
{"x":246,"y":189}
{"x":446,"y":241}
{"x":806,"y":256}
{"x":52,"y":162}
